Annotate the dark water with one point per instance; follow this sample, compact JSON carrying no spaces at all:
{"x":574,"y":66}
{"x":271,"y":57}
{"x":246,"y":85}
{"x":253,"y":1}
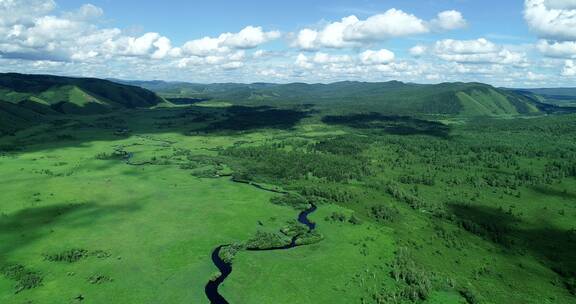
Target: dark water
{"x":303,"y":217}
{"x":226,"y":268}
{"x":211,"y":288}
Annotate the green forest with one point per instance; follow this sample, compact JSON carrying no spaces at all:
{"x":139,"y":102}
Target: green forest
{"x":306,"y":202}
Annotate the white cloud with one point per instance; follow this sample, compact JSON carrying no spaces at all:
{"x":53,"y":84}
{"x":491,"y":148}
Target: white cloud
{"x":233,"y":65}
{"x":331,"y":36}
{"x":29,"y":30}
{"x":449,"y":20}
{"x":551,"y":19}
{"x":564,"y":49}
{"x":353,"y":32}
{"x":228,"y":61}
{"x":37,"y":37}
{"x":535,"y":76}
{"x":569,"y":68}
{"x":303,"y":61}
{"x":561,"y":4}
{"x":259,"y":53}
{"x":306,"y":40}
{"x":478,"y":46}
{"x":393,"y":23}
{"x":324,"y":58}
{"x":149,"y":44}
{"x":248,"y":38}
{"x":418,"y":50}
{"x":85,"y":13}
{"x":477,"y":51}
{"x":377,"y":57}
{"x":338,"y":63}
{"x":204,"y":47}
{"x":16,"y":11}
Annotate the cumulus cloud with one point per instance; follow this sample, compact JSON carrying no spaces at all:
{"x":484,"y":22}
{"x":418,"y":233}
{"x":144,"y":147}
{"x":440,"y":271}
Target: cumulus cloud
{"x":32,"y":31}
{"x":233,"y":65}
{"x":569,"y":68}
{"x":85,"y":12}
{"x":552,"y":19}
{"x":377,"y":57}
{"x":561,"y":4}
{"x":339,"y":63}
{"x":331,"y":36}
{"x":37,"y":37}
{"x":228,"y":61}
{"x":564,"y":49}
{"x":352,"y":32}
{"x":303,"y":61}
{"x":393,"y":23}
{"x":477,"y":51}
{"x":451,"y":46}
{"x":324,"y":58}
{"x":449,"y":20}
{"x":150,"y":44}
{"x":555,"y":22}
{"x":203,"y":47}
{"x":248,"y":38}
{"x":15,"y":11}
{"x":418,"y":50}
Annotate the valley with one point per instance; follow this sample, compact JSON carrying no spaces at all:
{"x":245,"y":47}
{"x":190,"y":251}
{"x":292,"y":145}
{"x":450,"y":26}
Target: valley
{"x":128,"y":205}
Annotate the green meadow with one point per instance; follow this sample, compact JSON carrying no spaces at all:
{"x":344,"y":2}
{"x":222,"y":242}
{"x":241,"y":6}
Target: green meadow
{"x":127,"y":207}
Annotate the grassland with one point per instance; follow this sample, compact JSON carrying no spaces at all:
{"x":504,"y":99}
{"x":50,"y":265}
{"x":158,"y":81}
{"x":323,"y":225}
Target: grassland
{"x":127,"y":207}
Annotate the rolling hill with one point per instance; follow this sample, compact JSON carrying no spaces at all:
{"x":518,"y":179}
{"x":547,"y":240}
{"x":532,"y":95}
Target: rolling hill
{"x":28,"y":99}
{"x":564,"y":97}
{"x":462,"y":99}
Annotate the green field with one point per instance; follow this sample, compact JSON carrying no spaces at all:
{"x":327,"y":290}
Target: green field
{"x":127,"y":207}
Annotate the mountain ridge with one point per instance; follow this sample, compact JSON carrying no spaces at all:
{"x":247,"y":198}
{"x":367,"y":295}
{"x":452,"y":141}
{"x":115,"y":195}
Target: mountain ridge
{"x":452,"y":98}
{"x":29,"y":99}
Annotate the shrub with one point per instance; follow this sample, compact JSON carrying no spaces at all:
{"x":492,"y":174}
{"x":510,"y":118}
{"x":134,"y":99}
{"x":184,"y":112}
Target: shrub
{"x":25,"y":279}
{"x":69,"y":256}
{"x":294,"y":228}
{"x":295,"y":201}
{"x":227,"y":253}
{"x":336,"y":217}
{"x":98,"y":279}
{"x":267,"y":240}
{"x":570,"y":284}
{"x":354,"y":220}
{"x":311,"y":237}
{"x":469,"y":296}
{"x":383,"y":213}
{"x":396,"y":192}
{"x":117,"y":154}
{"x":417,"y":284}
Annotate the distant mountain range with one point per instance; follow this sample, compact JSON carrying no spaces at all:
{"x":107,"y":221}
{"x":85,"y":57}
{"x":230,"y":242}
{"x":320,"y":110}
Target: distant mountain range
{"x":29,"y":99}
{"x":555,"y":96}
{"x":462,"y":99}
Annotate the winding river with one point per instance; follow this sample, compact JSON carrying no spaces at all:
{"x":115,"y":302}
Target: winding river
{"x":226,"y":268}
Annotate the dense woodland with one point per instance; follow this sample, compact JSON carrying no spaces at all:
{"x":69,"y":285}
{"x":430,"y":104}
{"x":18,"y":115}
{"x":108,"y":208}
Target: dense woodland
{"x":474,"y":178}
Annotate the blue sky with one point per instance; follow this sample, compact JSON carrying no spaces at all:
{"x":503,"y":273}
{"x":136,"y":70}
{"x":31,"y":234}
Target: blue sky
{"x":185,"y":20}
{"x":529,"y":43}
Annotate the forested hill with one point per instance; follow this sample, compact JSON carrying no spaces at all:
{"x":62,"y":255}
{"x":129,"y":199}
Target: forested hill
{"x":564,"y":97}
{"x":28,"y":99}
{"x":465,"y":99}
